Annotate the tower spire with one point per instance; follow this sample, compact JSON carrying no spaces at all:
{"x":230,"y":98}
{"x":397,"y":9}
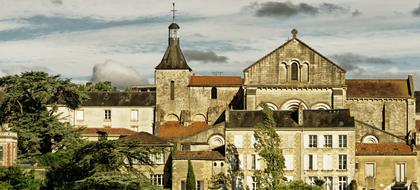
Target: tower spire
{"x":173,"y":12}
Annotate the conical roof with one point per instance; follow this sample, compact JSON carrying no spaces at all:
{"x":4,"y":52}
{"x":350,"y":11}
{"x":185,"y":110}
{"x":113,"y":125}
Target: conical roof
{"x":173,"y":58}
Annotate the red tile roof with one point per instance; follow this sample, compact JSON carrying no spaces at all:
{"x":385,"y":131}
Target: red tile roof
{"x":382,"y":149}
{"x":378,"y":89}
{"x":173,"y":129}
{"x":216,"y":81}
{"x":198,"y":155}
{"x":109,"y":131}
{"x":146,"y":138}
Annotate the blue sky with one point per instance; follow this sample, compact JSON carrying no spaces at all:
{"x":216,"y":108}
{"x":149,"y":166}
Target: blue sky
{"x":124,"y":40}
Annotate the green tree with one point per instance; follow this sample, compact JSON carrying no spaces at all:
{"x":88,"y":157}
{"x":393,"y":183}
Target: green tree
{"x":268,"y":146}
{"x":191,"y":183}
{"x":104,"y":86}
{"x":30,"y":103}
{"x":16,"y":178}
{"x":299,"y":184}
{"x":108,"y":164}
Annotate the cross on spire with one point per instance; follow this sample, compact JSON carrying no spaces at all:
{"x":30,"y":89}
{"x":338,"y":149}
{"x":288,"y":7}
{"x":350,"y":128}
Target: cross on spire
{"x":173,"y":12}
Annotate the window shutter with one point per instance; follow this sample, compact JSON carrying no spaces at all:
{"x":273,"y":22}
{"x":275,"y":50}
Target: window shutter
{"x":288,"y":159}
{"x":257,"y":164}
{"x":238,"y":141}
{"x":305,"y":162}
{"x":335,"y":141}
{"x":241,"y":161}
{"x":79,"y":115}
{"x":397,"y":172}
{"x":315,"y":161}
{"x":370,"y":168}
{"x":321,"y":141}
{"x":134,"y":115}
{"x":327,"y":162}
{"x":249,"y":182}
{"x":249,"y":161}
{"x":305,"y":141}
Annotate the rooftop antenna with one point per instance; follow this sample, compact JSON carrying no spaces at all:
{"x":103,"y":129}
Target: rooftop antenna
{"x":173,"y":12}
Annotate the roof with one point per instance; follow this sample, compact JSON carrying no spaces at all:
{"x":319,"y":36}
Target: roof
{"x":174,"y":129}
{"x":146,"y":138}
{"x":373,"y":88}
{"x":120,"y":99}
{"x":173,"y":57}
{"x":109,"y":131}
{"x":284,"y":119}
{"x":216,"y":81}
{"x":198,"y":155}
{"x":173,"y":26}
{"x":382,"y":149}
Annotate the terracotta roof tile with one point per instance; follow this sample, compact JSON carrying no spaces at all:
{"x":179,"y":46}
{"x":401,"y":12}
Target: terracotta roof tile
{"x":216,"y":81}
{"x":198,"y":155}
{"x":173,"y":129}
{"x":109,"y":131}
{"x":378,"y":89}
{"x":146,"y":138}
{"x":382,"y":149}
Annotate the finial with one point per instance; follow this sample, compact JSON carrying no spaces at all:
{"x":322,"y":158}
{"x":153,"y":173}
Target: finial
{"x":173,"y":12}
{"x":294,"y":33}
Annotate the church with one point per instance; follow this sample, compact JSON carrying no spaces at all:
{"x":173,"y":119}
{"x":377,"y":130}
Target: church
{"x":346,"y":132}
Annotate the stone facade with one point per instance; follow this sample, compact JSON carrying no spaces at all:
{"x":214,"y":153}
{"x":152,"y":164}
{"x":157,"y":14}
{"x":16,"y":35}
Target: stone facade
{"x":8,"y":148}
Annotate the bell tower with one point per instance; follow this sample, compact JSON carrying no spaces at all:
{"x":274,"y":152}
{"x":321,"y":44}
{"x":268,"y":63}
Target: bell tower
{"x":172,"y":77}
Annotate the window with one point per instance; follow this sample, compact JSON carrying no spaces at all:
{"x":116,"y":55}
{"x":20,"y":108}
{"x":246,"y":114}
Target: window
{"x":328,"y":160}
{"x":311,"y":179}
{"x":342,"y":141}
{"x":157,"y":179}
{"x":328,"y":183}
{"x":183,"y":185}
{"x":342,"y":183}
{"x":134,"y":115}
{"x":400,"y":172}
{"x":254,"y":185}
{"x":253,"y":161}
{"x":79,"y":115}
{"x":327,"y":141}
{"x":238,"y":141}
{"x":156,"y":158}
{"x":288,"y":162}
{"x":172,"y":90}
{"x":107,"y":114}
{"x":370,"y":169}
{"x":215,"y":164}
{"x":313,"y":141}
{"x":310,"y":162}
{"x":1,"y":152}
{"x":200,"y":185}
{"x":342,"y":162}
{"x":295,"y":71}
{"x":213,"y":93}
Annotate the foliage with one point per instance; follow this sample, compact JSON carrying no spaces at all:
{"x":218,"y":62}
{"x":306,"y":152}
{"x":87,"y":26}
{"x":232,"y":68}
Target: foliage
{"x":101,"y":162}
{"x":30,"y":105}
{"x":299,"y":184}
{"x":319,"y":182}
{"x":218,"y":182}
{"x":104,"y":86}
{"x":268,"y":146}
{"x":191,"y":183}
{"x":16,"y":178}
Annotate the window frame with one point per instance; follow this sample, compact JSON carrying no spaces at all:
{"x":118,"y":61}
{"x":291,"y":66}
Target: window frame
{"x":294,"y":71}
{"x":374,"y":169}
{"x":213,"y":93}
{"x":342,"y":161}
{"x":342,"y":141}
{"x":156,"y":178}
{"x":172,"y":90}
{"x":76,"y":115}
{"x":136,"y":119}
{"x":328,"y":142}
{"x":108,"y":114}
{"x":313,"y":141}
{"x":342,"y":182}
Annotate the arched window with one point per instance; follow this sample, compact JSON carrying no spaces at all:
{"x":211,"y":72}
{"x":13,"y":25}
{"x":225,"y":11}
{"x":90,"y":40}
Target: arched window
{"x":294,"y":71}
{"x":370,"y":139}
{"x":213,"y":93}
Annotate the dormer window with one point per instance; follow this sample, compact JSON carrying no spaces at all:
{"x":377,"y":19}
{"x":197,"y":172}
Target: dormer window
{"x":213,"y":93}
{"x":295,"y":71}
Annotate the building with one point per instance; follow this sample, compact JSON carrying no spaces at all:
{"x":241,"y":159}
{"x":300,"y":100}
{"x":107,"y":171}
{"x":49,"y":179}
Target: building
{"x":8,"y":148}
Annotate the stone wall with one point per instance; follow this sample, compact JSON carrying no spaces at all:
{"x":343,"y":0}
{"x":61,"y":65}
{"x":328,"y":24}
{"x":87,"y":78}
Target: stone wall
{"x":275,"y":68}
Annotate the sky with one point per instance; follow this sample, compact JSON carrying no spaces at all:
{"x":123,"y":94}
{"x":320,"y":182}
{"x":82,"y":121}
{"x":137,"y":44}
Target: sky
{"x":122,"y":41}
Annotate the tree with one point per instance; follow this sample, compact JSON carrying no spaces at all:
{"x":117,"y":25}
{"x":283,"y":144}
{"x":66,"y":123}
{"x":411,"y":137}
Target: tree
{"x":268,"y":146}
{"x":29,"y":105}
{"x":104,"y":86}
{"x":191,"y":183}
{"x":102,"y":165}
{"x":16,"y":178}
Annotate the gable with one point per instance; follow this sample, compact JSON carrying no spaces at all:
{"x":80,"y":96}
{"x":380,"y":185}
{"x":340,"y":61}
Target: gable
{"x":294,"y":64}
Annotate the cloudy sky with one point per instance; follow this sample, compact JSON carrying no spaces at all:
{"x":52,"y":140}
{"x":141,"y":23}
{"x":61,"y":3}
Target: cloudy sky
{"x":124,"y":40}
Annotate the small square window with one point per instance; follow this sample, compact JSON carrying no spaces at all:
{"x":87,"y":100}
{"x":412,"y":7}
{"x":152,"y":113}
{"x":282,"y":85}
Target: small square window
{"x":107,"y":114}
{"x":80,"y":115}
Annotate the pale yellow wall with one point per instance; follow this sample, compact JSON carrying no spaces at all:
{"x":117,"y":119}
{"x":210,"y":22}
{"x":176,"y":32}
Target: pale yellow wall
{"x":385,"y":170}
{"x":94,"y":117}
